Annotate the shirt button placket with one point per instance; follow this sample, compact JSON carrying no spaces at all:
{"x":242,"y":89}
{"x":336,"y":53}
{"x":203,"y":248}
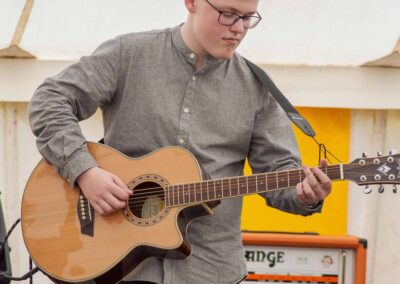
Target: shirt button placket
{"x":183,"y":133}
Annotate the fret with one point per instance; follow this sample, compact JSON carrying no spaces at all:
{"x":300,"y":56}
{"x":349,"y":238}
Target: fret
{"x":300,"y":172}
{"x":288,"y":179}
{"x":242,"y":181}
{"x":281,"y":180}
{"x":192,"y":193}
{"x":230,"y":186}
{"x":211,"y":190}
{"x":218,"y":189}
{"x":234,"y":186}
{"x":262,"y":183}
{"x":251,"y":184}
{"x":169,"y":196}
{"x":185,"y":194}
{"x":197,"y":187}
{"x":272,"y":181}
{"x":226,"y":189}
{"x":257,"y":183}
{"x":204,"y":191}
{"x":173,"y":195}
{"x":292,"y":178}
{"x":180,"y":194}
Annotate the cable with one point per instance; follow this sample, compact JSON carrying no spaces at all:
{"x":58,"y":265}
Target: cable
{"x":3,"y":245}
{"x":3,"y":242}
{"x":24,"y":277}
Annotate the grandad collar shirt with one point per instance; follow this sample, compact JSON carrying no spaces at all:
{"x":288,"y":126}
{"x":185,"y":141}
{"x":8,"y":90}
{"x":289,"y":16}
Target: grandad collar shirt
{"x":151,"y":96}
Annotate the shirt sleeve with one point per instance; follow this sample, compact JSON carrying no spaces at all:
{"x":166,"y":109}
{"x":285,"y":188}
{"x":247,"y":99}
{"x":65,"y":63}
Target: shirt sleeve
{"x":60,"y":102}
{"x":274,"y":148}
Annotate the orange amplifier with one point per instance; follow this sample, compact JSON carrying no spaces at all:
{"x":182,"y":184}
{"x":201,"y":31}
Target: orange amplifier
{"x":304,"y":258}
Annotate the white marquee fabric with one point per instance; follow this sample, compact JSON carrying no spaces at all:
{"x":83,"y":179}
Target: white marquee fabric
{"x":292,"y":32}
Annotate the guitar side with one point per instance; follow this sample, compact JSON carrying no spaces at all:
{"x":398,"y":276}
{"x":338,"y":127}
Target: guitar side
{"x":51,"y":227}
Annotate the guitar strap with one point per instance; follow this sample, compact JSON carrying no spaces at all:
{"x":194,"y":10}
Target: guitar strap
{"x":291,"y":112}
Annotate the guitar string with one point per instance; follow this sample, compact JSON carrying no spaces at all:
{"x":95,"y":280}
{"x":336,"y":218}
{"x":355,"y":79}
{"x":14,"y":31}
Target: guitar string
{"x":229,"y":180}
{"x":285,"y":173}
{"x":181,"y":200}
{"x":190,"y":188}
{"x":191,"y":191}
{"x":332,"y":169}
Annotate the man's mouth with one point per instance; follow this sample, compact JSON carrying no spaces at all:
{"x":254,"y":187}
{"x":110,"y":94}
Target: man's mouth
{"x":231,"y":40}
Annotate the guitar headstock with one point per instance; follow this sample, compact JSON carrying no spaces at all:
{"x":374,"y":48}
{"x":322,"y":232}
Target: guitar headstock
{"x":376,"y":170}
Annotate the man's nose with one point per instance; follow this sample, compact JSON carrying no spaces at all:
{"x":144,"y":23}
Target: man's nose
{"x":238,"y":26}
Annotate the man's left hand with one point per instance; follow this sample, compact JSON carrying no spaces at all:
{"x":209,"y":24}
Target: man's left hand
{"x":315,"y":187}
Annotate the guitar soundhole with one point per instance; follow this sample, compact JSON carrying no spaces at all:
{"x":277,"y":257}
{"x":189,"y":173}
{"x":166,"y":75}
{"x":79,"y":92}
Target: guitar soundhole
{"x":146,"y":206}
{"x":147,"y":200}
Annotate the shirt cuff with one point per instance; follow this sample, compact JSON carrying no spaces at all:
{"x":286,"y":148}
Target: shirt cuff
{"x":316,"y":207}
{"x":79,"y":162}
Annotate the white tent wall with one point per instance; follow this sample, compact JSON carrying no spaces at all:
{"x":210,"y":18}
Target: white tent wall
{"x":20,"y":156}
{"x":292,"y":32}
{"x":311,"y":48}
{"x":375,"y":216}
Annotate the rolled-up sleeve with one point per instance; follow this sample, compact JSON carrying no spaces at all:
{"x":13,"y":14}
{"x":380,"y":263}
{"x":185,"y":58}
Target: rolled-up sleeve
{"x":60,"y":102}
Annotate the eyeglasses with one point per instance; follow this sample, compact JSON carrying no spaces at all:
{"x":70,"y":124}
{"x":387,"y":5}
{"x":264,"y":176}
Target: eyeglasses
{"x":229,"y":18}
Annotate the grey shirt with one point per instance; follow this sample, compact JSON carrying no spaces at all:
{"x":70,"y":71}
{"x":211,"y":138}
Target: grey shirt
{"x":151,"y":96}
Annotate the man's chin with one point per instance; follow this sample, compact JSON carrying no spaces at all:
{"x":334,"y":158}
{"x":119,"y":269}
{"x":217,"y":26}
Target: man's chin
{"x":228,"y":54}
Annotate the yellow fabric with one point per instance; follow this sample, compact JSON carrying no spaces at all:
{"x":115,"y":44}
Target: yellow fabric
{"x":333,"y":129}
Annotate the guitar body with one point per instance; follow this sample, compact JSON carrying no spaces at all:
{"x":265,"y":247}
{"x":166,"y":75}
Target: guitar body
{"x":121,"y":241}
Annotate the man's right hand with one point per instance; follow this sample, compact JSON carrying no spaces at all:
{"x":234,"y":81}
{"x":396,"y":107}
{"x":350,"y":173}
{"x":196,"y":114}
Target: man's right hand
{"x":105,"y":191}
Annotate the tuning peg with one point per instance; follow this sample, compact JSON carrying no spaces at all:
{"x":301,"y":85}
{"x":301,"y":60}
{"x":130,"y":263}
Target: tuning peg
{"x":367,"y":189}
{"x":393,"y":152}
{"x":364,"y":155}
{"x":381,"y":188}
{"x":379,"y":153}
{"x":394,"y":188}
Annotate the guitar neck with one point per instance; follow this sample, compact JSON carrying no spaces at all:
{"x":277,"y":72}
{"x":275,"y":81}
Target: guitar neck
{"x":209,"y":190}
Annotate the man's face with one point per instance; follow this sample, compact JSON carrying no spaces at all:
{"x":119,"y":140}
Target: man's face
{"x":214,"y":38}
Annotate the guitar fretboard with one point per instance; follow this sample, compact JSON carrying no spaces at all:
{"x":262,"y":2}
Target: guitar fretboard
{"x":209,"y":190}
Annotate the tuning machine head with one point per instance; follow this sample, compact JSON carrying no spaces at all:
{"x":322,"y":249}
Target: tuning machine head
{"x":394,"y":188}
{"x":393,"y":152}
{"x":381,"y":188}
{"x":367,"y":189}
{"x":364,"y":155}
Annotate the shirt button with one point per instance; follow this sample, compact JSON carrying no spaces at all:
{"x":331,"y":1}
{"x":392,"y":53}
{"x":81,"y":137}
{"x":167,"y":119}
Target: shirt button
{"x":194,"y":78}
{"x":186,"y":110}
{"x":192,"y":55}
{"x":181,"y":141}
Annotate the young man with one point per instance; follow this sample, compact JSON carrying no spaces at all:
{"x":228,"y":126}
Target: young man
{"x":181,"y":86}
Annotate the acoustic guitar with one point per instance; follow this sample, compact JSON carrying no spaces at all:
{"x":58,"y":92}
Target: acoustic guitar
{"x":71,"y":243}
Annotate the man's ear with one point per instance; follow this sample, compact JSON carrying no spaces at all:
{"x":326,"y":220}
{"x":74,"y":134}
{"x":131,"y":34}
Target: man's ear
{"x":191,"y":5}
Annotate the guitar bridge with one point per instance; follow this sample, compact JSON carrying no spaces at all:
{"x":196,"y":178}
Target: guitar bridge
{"x":85,"y":214}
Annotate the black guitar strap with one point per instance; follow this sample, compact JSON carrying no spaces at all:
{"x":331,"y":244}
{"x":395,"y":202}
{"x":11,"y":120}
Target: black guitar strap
{"x":291,"y":112}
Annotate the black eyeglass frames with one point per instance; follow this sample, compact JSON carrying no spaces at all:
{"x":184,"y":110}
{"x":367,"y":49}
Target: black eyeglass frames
{"x":230,"y":18}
